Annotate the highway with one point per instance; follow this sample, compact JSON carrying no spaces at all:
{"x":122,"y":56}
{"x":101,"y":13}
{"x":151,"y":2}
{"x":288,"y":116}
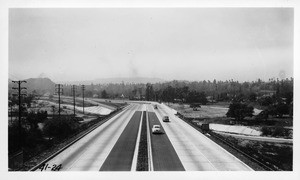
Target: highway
{"x":195,"y":150}
{"x":113,"y":146}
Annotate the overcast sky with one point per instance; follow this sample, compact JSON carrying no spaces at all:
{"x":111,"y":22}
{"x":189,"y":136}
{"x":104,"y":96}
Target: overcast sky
{"x":185,"y":43}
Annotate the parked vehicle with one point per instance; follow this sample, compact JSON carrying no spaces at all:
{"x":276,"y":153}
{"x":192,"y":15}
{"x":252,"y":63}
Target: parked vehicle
{"x":156,"y":129}
{"x":166,"y":119}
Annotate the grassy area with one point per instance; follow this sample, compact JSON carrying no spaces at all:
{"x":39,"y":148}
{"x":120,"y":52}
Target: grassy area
{"x":209,"y":111}
{"x":276,"y":155}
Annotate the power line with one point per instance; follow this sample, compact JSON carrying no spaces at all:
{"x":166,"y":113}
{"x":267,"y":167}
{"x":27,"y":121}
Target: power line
{"x":20,"y":94}
{"x":59,"y":91}
{"x":83,"y":88}
{"x":73,"y":90}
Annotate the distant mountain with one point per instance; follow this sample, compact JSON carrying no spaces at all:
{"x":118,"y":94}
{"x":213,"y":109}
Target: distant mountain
{"x":134,"y":80}
{"x":40,"y":85}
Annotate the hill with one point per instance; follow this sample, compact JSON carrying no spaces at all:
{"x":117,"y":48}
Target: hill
{"x":40,"y":85}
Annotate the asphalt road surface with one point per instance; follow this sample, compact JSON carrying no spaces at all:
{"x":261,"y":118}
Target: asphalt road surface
{"x":195,"y":151}
{"x":121,"y":156}
{"x":90,"y":152}
{"x":113,"y":146}
{"x":163,"y":153}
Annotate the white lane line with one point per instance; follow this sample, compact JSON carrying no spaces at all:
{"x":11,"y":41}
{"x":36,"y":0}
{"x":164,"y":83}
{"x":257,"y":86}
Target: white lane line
{"x":150,"y":161}
{"x":137,"y":145}
{"x":170,"y":130}
{"x":72,"y":149}
{"x":99,"y":159}
{"x":191,"y":129}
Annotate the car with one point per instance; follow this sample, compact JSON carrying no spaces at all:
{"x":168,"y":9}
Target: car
{"x":156,"y":129}
{"x":166,"y":119}
{"x":155,"y":106}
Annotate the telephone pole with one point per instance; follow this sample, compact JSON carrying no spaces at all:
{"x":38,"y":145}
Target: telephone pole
{"x":20,"y":94}
{"x":59,"y":91}
{"x":73,"y":89}
{"x":83,"y":88}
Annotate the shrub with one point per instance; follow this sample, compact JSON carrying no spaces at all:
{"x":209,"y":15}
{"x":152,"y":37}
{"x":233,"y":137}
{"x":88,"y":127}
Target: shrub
{"x":60,"y":128}
{"x":239,"y":111}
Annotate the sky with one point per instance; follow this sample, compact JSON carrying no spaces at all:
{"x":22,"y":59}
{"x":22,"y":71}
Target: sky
{"x":193,"y":44}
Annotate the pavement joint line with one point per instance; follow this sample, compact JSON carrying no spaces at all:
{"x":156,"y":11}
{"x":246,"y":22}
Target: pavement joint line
{"x":150,"y":160}
{"x":183,"y":122}
{"x":137,"y":145}
{"x":77,"y":139}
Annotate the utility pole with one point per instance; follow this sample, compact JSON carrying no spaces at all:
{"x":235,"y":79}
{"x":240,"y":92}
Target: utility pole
{"x":59,"y":91}
{"x":73,"y":89}
{"x":20,"y":94}
{"x":83,"y":88}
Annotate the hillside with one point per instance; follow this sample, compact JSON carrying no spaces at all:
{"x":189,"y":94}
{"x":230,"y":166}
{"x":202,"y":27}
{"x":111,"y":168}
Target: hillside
{"x":40,"y":85}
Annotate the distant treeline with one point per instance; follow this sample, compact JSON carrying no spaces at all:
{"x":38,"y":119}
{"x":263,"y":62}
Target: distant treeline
{"x":189,"y":91}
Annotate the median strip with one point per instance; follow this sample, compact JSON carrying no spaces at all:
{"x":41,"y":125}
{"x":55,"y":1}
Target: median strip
{"x":142,"y":161}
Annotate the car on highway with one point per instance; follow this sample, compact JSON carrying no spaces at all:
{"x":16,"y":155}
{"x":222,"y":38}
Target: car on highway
{"x":155,"y":106}
{"x":156,"y":129}
{"x":166,"y":119}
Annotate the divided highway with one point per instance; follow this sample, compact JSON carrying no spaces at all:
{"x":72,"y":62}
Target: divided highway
{"x":113,"y":146}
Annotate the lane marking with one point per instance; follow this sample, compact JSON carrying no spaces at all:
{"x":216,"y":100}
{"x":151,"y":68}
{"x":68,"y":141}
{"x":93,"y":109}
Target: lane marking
{"x":161,"y":114}
{"x":80,"y":138}
{"x":107,"y":142}
{"x":169,"y":110}
{"x":150,"y":160}
{"x":137,"y":145}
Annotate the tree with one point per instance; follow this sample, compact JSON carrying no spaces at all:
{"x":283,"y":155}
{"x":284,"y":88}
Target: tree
{"x":104,"y":94}
{"x":239,"y":111}
{"x":60,"y":128}
{"x":168,"y":94}
{"x":196,"y":97}
{"x":280,"y":109}
{"x":149,"y":92}
{"x":252,"y":97}
{"x":88,"y":93}
{"x":28,"y":99}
